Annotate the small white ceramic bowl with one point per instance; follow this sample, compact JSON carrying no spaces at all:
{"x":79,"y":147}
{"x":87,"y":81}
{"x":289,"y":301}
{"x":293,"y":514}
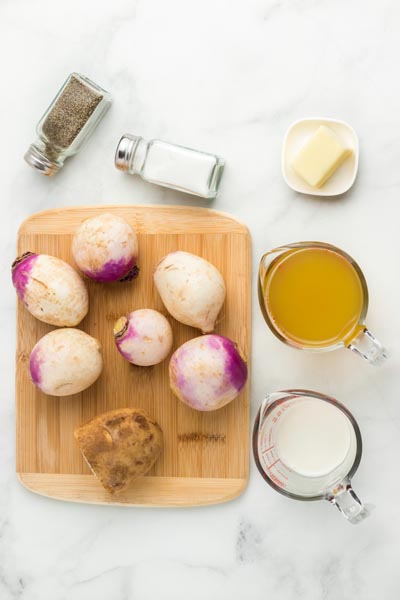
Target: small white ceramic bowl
{"x":295,"y":138}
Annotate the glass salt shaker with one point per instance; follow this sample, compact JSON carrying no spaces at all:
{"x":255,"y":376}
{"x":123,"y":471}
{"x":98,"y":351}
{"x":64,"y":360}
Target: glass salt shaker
{"x":67,"y":123}
{"x":171,"y":166}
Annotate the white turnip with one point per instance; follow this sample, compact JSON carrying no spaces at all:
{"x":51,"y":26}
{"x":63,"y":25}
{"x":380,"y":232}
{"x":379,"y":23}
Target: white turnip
{"x":207,"y":372}
{"x":105,"y":248}
{"x":144,"y":337}
{"x":65,"y":361}
{"x":191,"y":289}
{"x":51,"y":289}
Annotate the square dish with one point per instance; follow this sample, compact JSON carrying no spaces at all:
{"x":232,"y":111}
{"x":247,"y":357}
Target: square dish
{"x":297,"y":135}
{"x":206,"y":455}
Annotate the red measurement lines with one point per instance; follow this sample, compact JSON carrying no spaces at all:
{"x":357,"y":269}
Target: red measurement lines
{"x":265,"y":452}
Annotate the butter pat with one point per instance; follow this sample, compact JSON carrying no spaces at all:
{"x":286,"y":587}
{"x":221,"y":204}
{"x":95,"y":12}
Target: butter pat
{"x":320,"y":157}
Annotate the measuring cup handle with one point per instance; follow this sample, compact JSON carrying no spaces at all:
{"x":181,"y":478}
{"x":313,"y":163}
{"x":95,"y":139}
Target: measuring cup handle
{"x":368,"y":347}
{"x":349,"y":504}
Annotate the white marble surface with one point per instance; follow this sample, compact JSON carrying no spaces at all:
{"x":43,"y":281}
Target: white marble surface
{"x":227,"y":77}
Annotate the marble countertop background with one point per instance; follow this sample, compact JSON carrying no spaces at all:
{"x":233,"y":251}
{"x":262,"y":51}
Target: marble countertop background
{"x":227,"y":77}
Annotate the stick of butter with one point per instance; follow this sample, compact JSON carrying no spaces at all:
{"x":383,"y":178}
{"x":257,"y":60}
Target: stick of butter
{"x":320,"y":157}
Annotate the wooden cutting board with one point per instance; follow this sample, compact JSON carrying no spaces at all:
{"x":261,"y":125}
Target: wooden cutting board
{"x":206,"y":455}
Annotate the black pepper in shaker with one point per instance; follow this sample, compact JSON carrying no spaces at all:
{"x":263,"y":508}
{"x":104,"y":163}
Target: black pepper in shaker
{"x":67,"y":123}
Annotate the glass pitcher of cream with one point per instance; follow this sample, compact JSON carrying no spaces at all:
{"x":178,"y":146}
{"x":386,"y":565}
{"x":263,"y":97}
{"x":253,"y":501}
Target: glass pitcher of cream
{"x":314,"y":297}
{"x":307,"y":446}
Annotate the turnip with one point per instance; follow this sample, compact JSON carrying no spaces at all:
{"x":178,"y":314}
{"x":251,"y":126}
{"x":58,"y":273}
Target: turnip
{"x":191,"y":289}
{"x":65,"y":361}
{"x":105,"y":248}
{"x":51,"y":289}
{"x":144,"y":337}
{"x":207,"y":372}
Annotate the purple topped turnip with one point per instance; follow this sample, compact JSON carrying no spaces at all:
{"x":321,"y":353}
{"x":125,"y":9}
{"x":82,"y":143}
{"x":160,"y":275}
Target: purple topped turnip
{"x":207,"y":372}
{"x":51,"y":289}
{"x":191,"y":289}
{"x":105,"y":248}
{"x":65,"y":361}
{"x":144,"y":337}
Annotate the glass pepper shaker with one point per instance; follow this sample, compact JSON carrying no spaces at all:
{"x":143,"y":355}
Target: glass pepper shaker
{"x":67,"y":123}
{"x":171,"y":166}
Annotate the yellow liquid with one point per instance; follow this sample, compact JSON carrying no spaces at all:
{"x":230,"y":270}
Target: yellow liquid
{"x":314,"y":297}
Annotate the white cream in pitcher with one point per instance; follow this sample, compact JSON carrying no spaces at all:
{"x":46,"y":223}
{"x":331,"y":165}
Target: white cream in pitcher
{"x":314,"y":438}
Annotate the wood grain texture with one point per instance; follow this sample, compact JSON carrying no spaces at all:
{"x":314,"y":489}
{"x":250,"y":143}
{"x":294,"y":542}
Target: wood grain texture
{"x":152,"y":491}
{"x":206,"y":455}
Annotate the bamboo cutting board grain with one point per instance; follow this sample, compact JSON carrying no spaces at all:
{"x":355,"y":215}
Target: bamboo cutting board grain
{"x":206,"y":455}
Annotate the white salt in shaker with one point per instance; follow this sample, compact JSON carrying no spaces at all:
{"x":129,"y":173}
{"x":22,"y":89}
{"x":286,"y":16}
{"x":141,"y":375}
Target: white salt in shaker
{"x":171,"y":166}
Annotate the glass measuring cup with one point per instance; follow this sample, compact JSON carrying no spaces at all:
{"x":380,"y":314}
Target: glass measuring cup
{"x":324,"y":287}
{"x":312,"y":457}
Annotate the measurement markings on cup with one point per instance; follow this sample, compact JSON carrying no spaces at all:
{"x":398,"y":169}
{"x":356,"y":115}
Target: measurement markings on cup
{"x":267,"y":449}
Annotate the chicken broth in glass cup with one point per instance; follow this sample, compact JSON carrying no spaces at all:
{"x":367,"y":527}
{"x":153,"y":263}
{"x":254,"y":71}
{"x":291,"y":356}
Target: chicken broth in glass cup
{"x":314,"y":297}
